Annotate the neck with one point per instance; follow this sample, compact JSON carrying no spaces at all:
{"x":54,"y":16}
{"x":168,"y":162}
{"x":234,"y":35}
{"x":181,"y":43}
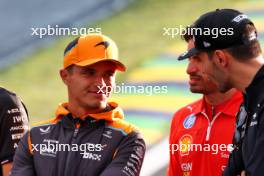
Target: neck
{"x":218,"y":98}
{"x":78,"y":111}
{"x":241,"y":78}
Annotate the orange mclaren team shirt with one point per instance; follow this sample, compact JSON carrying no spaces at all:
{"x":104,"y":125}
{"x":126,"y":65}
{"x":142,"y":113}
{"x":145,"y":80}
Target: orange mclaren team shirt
{"x":200,"y":143}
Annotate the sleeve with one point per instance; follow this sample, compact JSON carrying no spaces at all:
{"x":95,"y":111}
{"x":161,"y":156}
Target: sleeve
{"x":235,"y":163}
{"x":174,"y":165}
{"x":128,"y":157}
{"x":23,"y":161}
{"x":13,"y":125}
{"x":257,"y":167}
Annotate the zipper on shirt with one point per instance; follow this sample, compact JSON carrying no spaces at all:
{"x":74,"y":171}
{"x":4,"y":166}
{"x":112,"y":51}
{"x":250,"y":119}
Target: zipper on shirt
{"x":69,"y":156}
{"x":210,"y":124}
{"x":76,"y":130}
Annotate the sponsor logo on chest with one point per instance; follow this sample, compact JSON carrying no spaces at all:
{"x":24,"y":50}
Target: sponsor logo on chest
{"x":189,"y":121}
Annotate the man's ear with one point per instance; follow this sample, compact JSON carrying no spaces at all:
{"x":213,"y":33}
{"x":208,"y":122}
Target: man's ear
{"x":64,"y":74}
{"x":221,"y":58}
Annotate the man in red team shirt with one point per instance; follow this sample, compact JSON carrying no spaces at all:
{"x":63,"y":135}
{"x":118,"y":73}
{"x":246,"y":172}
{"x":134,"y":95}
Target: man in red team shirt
{"x":208,"y":123}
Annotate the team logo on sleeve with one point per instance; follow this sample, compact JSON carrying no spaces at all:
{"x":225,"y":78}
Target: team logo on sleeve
{"x":44,"y":130}
{"x":185,"y":144}
{"x":189,"y":121}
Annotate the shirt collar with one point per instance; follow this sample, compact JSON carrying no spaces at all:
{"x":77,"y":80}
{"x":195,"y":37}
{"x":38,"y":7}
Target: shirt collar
{"x":230,"y":107}
{"x":115,"y":114}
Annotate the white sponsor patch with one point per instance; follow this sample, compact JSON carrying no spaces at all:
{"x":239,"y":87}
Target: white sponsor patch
{"x":19,"y":119}
{"x":108,"y":134}
{"x":17,"y":136}
{"x":91,"y":156}
{"x":44,"y":131}
{"x":21,"y":127}
{"x":186,"y":167}
{"x":240,"y":18}
{"x":206,"y":44}
{"x":253,"y":123}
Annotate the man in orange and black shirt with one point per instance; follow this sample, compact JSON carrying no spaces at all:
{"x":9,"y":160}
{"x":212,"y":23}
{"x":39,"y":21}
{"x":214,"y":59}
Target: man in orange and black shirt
{"x":88,"y":135}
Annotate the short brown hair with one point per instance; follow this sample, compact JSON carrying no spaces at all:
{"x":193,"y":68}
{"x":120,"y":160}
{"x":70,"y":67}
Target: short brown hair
{"x":250,"y":49}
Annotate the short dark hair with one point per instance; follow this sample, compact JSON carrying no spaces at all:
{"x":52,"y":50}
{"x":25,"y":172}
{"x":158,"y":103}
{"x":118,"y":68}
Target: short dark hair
{"x":250,"y":49}
{"x":187,"y":36}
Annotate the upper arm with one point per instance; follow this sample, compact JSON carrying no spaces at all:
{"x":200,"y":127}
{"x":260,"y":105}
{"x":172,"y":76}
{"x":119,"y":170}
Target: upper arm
{"x":235,"y":163}
{"x":257,"y":152}
{"x":174,"y":165}
{"x":128,"y":157}
{"x":6,"y":169}
{"x":23,"y":160}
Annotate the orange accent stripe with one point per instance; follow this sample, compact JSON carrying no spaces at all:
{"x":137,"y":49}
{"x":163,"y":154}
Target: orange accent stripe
{"x":30,"y":144}
{"x":113,"y":115}
{"x":77,"y":125}
{"x":114,"y":154}
{"x":123,"y":125}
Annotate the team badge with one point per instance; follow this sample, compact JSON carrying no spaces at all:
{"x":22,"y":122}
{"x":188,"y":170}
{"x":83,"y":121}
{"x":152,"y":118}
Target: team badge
{"x":189,"y":121}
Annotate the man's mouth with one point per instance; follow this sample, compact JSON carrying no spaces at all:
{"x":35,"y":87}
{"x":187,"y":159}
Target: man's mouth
{"x":98,"y":92}
{"x":194,"y":79}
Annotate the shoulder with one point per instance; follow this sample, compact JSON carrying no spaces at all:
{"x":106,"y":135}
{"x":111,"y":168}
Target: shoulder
{"x":12,"y":106}
{"x":187,"y":110}
{"x":11,"y":102}
{"x":7,"y":96}
{"x":122,"y":126}
{"x":129,"y":134}
{"x":44,"y":126}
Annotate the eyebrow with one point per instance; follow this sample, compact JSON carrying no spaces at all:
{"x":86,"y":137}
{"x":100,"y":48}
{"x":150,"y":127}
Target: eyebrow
{"x":110,"y":71}
{"x":86,"y":69}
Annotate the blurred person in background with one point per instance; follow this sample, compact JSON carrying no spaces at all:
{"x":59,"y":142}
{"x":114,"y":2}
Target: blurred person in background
{"x":13,"y":124}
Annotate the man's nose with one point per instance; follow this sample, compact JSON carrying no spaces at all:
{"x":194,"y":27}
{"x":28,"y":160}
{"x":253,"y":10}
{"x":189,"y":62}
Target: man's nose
{"x":99,"y":82}
{"x":191,"y":68}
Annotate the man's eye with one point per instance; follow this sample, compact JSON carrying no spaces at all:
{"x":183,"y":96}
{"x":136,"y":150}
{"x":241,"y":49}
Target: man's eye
{"x":196,"y":58}
{"x":110,"y":74}
{"x":89,"y":72}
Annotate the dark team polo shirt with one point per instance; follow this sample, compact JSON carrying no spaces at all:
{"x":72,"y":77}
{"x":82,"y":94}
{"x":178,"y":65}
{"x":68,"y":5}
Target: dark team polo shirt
{"x":13,"y":124}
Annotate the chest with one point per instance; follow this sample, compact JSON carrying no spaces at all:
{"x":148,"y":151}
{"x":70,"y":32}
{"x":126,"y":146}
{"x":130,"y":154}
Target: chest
{"x":74,"y":151}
